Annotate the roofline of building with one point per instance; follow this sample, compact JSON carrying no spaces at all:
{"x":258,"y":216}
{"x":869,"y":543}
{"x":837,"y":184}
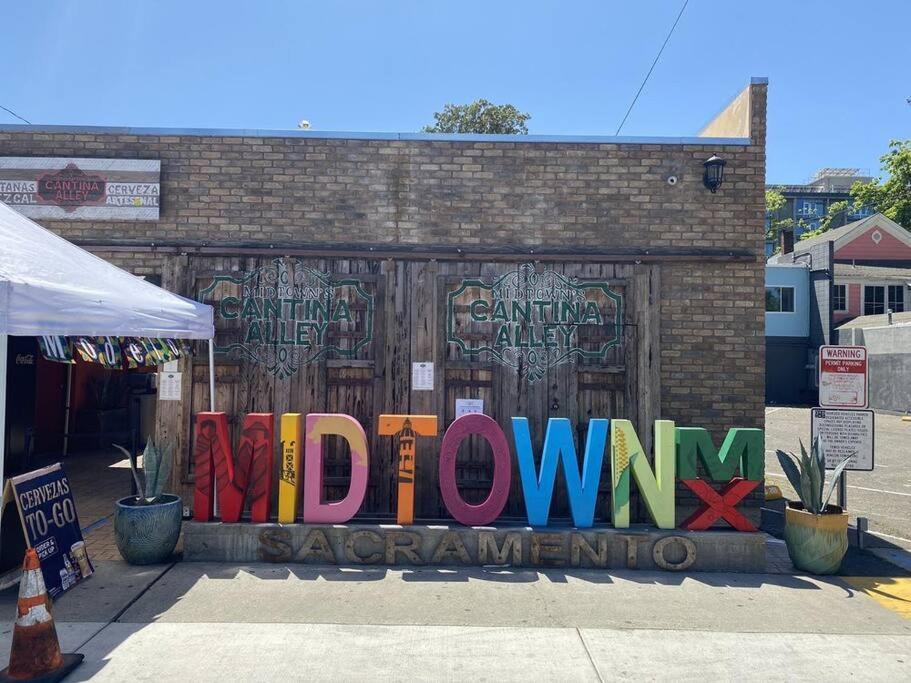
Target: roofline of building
{"x":806,"y":189}
{"x":848,"y":325}
{"x":345,"y":135}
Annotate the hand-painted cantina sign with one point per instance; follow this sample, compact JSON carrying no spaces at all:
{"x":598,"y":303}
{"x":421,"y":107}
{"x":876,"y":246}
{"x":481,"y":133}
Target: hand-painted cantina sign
{"x":80,"y":189}
{"x":286,"y":315}
{"x":533,"y":320}
{"x":729,"y":473}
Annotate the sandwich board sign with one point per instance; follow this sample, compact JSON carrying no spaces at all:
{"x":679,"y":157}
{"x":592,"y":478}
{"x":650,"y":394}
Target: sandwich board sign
{"x":47,"y":512}
{"x":844,"y":432}
{"x":843,"y":377}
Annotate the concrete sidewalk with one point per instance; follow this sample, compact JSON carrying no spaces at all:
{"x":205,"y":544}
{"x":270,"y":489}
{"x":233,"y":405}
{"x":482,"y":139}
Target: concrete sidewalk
{"x":265,"y":622}
{"x":272,"y":652}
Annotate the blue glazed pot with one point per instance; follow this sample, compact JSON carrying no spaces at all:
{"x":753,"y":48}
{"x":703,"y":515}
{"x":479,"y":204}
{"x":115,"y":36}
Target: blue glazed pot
{"x":147,"y":534}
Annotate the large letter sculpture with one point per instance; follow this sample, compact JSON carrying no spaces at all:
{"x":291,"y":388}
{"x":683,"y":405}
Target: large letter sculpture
{"x":490,"y":509}
{"x":719,"y":505}
{"x":658,"y":488}
{"x":289,"y":481}
{"x":743,"y":450}
{"x":215,"y":467}
{"x":407,"y":427}
{"x":559,"y":446}
{"x":335,"y":512}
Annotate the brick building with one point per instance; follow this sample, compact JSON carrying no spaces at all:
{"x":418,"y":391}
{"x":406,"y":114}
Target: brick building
{"x":406,"y":216}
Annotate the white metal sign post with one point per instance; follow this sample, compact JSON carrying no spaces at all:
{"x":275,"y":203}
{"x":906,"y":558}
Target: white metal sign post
{"x":844,"y":433}
{"x":848,"y":429}
{"x":843,"y":377}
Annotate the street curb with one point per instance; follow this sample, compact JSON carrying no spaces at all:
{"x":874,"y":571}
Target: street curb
{"x":898,"y":556}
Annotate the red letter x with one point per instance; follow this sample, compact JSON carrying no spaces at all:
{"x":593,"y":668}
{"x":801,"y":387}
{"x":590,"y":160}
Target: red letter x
{"x":717,"y":505}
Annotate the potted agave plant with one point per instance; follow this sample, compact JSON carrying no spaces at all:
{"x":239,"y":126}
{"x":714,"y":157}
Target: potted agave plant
{"x":815,"y":532}
{"x":147,"y":525}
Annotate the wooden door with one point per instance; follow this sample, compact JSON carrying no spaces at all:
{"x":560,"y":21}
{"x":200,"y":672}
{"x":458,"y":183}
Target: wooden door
{"x":352,"y":352}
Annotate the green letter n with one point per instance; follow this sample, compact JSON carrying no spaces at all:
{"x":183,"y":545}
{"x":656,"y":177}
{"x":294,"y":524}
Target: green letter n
{"x":742,"y":447}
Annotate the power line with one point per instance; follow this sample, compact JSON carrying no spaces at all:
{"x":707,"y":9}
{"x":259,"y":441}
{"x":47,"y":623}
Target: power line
{"x":657,"y":57}
{"x":15,"y":114}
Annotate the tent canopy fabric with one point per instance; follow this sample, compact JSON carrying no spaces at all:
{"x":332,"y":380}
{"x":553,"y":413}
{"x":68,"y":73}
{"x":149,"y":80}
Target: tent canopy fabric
{"x":49,"y":286}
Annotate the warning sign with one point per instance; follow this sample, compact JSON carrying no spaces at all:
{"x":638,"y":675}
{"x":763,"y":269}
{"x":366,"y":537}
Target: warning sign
{"x":842,"y":433}
{"x":842,"y":377}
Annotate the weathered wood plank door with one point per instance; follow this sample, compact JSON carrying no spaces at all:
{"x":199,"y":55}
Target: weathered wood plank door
{"x":336,"y":334}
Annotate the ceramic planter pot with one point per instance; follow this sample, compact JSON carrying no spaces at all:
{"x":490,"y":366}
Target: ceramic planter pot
{"x":147,"y":534}
{"x":816,"y":543}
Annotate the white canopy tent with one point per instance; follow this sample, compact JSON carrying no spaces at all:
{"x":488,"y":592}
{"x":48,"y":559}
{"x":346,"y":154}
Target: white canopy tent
{"x":49,"y":286}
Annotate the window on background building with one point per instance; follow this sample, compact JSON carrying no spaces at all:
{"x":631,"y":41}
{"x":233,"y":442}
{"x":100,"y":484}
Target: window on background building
{"x":874,"y":300}
{"x":897,"y":298}
{"x":840,"y":298}
{"x":810,"y":208}
{"x":779,"y":299}
{"x":810,"y":211}
{"x":862,"y":212}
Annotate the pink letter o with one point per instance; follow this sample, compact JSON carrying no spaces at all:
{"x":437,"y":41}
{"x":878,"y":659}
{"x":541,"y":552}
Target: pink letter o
{"x":490,"y":509}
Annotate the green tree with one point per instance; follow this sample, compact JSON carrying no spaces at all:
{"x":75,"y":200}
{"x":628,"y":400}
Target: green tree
{"x":891,"y":197}
{"x":775,"y":223}
{"x":480,"y":116}
{"x":836,"y":216}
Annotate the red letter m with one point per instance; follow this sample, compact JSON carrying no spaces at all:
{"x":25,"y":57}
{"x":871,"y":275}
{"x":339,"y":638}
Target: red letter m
{"x":251,"y":473}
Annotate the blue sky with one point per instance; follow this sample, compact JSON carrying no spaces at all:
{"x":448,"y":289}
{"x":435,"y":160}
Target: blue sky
{"x":838,"y":71}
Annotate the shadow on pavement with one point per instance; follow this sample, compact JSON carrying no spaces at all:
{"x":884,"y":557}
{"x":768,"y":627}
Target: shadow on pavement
{"x":456,"y":574}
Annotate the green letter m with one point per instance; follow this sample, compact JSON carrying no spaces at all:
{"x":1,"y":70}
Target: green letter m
{"x":743,"y":447}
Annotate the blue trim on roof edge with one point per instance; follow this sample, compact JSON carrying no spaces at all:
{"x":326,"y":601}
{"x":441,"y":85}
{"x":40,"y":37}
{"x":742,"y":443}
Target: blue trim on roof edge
{"x":343,"y":135}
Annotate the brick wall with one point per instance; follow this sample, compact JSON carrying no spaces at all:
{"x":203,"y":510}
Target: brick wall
{"x":223,"y":190}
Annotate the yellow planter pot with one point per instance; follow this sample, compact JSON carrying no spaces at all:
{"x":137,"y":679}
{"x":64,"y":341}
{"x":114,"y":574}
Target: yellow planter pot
{"x":816,"y":543}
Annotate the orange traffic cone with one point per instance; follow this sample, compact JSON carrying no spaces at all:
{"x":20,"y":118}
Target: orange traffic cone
{"x":35,"y":655}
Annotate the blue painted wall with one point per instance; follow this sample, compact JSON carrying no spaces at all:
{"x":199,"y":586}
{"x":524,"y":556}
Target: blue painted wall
{"x":796,"y":324}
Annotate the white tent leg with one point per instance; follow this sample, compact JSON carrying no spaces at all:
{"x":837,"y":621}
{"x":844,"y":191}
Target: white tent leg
{"x":66,"y":414}
{"x":212,"y":375}
{"x":4,"y":348}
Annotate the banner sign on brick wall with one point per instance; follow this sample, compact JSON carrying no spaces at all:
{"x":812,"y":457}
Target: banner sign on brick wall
{"x":532,"y":321}
{"x":81,"y":189}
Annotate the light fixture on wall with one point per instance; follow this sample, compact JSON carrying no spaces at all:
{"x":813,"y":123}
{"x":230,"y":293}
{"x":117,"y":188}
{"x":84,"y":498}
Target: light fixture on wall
{"x":714,"y":172}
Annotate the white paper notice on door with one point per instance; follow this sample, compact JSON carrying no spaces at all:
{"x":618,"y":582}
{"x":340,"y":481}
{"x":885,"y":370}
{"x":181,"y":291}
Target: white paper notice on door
{"x":467,"y":406}
{"x":422,"y":376}
{"x":169,"y":386}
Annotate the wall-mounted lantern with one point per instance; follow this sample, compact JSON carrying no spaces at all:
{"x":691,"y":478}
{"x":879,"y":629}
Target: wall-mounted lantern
{"x":714,"y":172}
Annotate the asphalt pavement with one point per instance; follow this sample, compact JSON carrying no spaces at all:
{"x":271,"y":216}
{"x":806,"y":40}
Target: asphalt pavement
{"x":883,"y":496}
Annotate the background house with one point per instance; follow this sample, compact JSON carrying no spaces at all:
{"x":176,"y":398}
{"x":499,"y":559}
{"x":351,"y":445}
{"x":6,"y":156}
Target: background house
{"x":787,"y":330}
{"x":860,"y":269}
{"x":872,"y":259}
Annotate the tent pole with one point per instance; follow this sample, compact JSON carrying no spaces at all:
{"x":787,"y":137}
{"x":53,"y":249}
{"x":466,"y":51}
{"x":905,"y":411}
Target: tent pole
{"x":4,"y":342}
{"x":212,"y":375}
{"x":66,"y":414}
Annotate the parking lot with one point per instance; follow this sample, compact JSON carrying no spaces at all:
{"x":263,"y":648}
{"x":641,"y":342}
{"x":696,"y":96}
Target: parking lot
{"x":883,"y":495}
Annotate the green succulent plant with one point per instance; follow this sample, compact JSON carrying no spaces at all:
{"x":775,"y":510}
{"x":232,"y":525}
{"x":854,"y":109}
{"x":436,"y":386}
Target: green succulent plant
{"x":807,"y":475}
{"x":156,"y":468}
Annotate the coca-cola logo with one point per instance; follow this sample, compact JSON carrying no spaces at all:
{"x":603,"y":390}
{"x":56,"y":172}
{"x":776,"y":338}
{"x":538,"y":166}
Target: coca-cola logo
{"x":70,"y":188}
